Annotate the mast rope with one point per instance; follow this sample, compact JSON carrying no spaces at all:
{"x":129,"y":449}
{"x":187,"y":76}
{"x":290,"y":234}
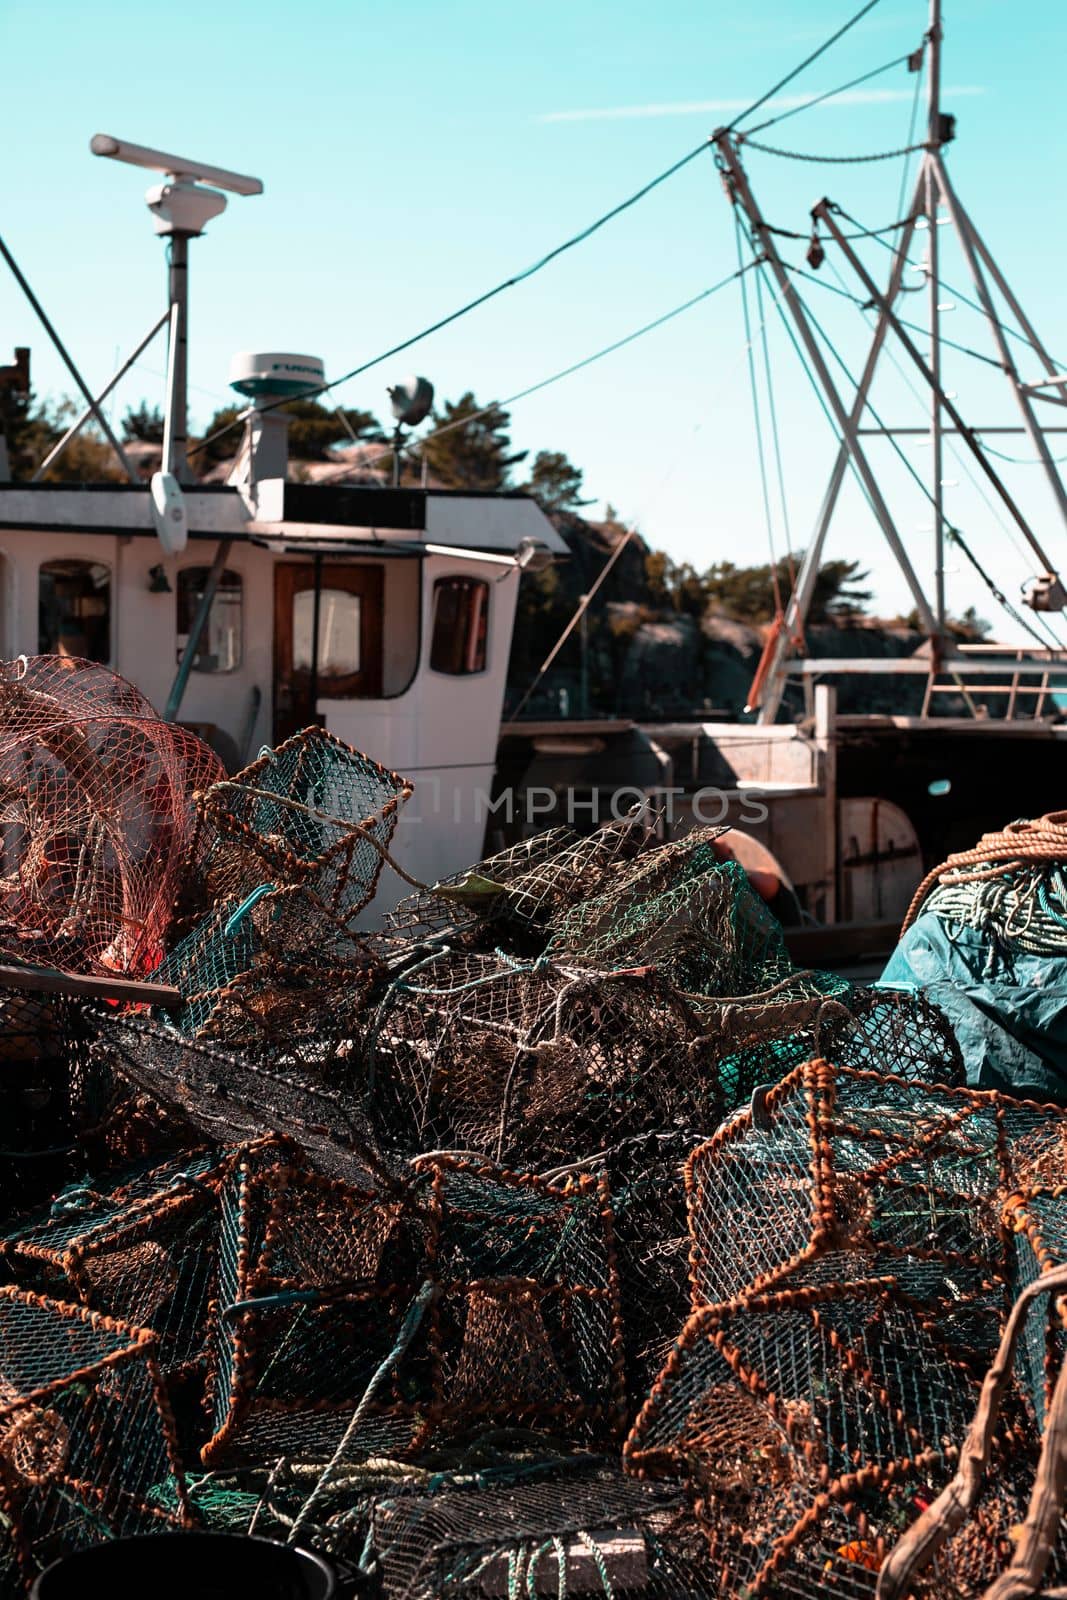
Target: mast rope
{"x":758,"y":420}
{"x":772,"y":410}
{"x":829,"y":94}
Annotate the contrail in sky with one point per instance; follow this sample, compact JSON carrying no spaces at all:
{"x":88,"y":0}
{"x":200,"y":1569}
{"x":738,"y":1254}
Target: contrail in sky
{"x":785,"y":102}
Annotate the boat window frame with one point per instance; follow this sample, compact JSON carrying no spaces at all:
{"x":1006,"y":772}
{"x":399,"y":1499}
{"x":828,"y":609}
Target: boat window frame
{"x":228,"y":572}
{"x":470,"y":581}
{"x":87,"y":564}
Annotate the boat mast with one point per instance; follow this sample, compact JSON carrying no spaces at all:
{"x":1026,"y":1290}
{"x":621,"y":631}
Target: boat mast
{"x":933,"y":190}
{"x":932,"y":196}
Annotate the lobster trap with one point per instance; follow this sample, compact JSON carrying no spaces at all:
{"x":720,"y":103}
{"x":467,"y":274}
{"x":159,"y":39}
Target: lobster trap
{"x":524,"y":1322}
{"x":96,"y":817}
{"x":314,"y":1277}
{"x":543,"y":1527}
{"x":777,"y":1410}
{"x":836,"y":1174}
{"x":1037,"y":1219}
{"x":87,"y":1447}
{"x":230,"y":1098}
{"x":529,"y":1061}
{"x":513,"y":897}
{"x":248,"y":983}
{"x":750,"y":1041}
{"x":683,"y":911}
{"x":312,"y":815}
{"x":143,"y":1253}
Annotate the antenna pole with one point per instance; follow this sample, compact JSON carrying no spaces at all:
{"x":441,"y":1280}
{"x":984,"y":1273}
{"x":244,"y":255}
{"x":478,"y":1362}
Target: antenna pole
{"x":177,"y":454}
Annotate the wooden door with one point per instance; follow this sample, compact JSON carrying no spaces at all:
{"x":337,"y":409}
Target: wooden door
{"x":350,"y":638}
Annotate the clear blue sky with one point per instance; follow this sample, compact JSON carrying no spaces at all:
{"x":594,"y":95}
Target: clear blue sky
{"x":415,"y":154}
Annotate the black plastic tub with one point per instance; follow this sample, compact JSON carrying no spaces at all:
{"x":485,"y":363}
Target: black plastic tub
{"x":188,"y":1566}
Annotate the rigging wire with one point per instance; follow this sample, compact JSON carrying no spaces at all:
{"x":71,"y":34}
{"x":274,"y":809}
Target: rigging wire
{"x":974,"y":305}
{"x":842,"y":88}
{"x":775,"y":436}
{"x":948,"y":528}
{"x":758,"y":420}
{"x":960,"y":459}
{"x":564,"y":372}
{"x":481,"y":299}
{"x":865,"y":305}
{"x":913,"y":119}
{"x":802,"y":357}
{"x":558,"y":250}
{"x":808,"y":60}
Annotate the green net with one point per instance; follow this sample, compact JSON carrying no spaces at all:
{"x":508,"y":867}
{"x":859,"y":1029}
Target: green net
{"x":86,"y":1442}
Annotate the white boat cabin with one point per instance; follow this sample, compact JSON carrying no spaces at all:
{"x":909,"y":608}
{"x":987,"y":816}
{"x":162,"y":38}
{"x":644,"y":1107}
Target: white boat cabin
{"x":416,"y":592}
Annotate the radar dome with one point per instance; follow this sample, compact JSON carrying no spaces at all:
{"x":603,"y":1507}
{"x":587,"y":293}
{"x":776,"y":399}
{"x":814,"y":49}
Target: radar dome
{"x":275,"y":374}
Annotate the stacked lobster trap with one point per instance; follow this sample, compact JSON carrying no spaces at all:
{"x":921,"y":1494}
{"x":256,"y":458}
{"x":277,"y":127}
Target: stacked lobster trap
{"x":557,"y":1237}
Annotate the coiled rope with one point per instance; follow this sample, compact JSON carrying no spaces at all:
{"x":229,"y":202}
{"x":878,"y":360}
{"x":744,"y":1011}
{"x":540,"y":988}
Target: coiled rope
{"x":1011,"y":880}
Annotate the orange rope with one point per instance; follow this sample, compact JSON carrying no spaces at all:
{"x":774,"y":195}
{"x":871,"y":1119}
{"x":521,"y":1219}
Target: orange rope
{"x":1040,"y":839}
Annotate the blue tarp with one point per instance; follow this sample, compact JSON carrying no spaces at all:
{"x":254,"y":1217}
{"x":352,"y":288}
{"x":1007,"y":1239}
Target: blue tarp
{"x":1008,"y":1008}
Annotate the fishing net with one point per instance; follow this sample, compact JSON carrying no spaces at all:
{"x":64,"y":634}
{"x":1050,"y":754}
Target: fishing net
{"x":528,"y":1061}
{"x":313,"y":1279}
{"x":313,"y":815}
{"x":86,"y":1443}
{"x":775,"y":1410}
{"x":524,"y":1322}
{"x":512,"y":898}
{"x":680,"y":909}
{"x":557,"y":1527}
{"x":96,"y":816}
{"x":837,"y":1174}
{"x":143,"y":1252}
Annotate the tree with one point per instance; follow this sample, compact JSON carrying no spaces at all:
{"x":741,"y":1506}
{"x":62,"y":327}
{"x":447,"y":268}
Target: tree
{"x":475,"y":451}
{"x":313,"y":431}
{"x":747,"y":593}
{"x":556,"y":482}
{"x":145,"y":423}
{"x":32,"y":428}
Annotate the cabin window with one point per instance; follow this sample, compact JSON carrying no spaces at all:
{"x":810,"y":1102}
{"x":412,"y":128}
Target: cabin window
{"x":220,"y":641}
{"x":460,"y":625}
{"x":340,"y":623}
{"x":74,"y":609}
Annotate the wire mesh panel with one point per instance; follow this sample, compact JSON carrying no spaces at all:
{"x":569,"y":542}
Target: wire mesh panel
{"x":86,"y":1443}
{"x":836,"y":1174}
{"x":682,"y":910}
{"x":524,"y":1323}
{"x":308,"y":814}
{"x":144,"y":1253}
{"x":96,"y":818}
{"x":555,"y":1526}
{"x":314,"y":1277}
{"x":1038,"y":1222}
{"x":530,"y":1062}
{"x":777,"y":1409}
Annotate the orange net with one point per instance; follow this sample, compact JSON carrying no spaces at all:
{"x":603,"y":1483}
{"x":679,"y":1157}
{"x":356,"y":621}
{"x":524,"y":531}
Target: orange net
{"x":95,"y":816}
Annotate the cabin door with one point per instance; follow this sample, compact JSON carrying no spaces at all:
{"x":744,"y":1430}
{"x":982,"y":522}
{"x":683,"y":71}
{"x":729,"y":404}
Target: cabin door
{"x":348,"y":662}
